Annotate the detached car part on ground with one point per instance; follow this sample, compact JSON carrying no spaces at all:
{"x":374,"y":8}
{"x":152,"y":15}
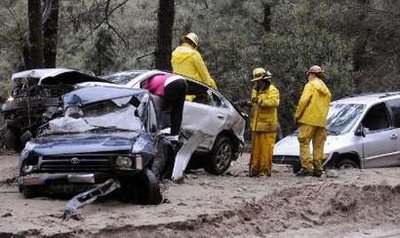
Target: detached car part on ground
{"x":36,"y":98}
{"x":209,"y":112}
{"x":107,"y":133}
{"x":363,"y":132}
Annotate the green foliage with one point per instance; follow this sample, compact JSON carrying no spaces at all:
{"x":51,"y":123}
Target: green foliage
{"x":102,"y":57}
{"x":232,"y":41}
{"x":13,"y":36}
{"x":5,"y":87}
{"x":288,"y":57}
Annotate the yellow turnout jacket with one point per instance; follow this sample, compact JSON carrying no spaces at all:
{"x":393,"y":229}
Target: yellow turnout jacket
{"x":265,"y":109}
{"x":314,"y":103}
{"x":187,"y":61}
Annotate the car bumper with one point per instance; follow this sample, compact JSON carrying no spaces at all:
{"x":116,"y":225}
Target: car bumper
{"x":43,"y":179}
{"x":286,"y":159}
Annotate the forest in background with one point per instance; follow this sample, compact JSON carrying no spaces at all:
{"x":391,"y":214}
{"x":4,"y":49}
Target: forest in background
{"x":356,"y":41}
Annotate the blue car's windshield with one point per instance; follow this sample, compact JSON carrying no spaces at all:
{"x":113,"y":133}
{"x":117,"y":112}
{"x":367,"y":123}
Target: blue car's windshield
{"x":104,"y":115}
{"x":342,"y":117}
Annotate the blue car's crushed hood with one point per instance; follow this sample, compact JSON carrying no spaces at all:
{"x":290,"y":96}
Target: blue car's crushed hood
{"x":82,"y":143}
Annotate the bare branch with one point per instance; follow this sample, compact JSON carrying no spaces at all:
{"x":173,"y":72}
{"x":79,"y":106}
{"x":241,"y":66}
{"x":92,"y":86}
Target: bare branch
{"x":149,"y":54}
{"x":112,"y":27}
{"x":118,"y":34}
{"x":104,"y":20}
{"x":392,"y":14}
{"x":257,"y":21}
{"x":46,"y":10}
{"x":374,"y":10}
{"x":205,"y":3}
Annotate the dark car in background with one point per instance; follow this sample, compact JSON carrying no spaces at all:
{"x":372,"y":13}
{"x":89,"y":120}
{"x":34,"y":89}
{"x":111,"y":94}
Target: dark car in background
{"x":36,"y":98}
{"x":106,"y":132}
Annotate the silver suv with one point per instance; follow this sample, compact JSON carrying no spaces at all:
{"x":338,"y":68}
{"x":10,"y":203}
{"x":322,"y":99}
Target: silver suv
{"x":363,"y":132}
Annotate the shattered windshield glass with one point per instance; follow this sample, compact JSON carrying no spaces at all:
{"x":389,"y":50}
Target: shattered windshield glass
{"x":110,"y":115}
{"x":342,"y":117}
{"x":123,"y":77}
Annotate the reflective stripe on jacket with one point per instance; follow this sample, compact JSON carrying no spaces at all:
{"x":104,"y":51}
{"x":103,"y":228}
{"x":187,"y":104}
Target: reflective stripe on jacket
{"x":314,"y":103}
{"x":265,"y":110}
{"x":188,"y":61}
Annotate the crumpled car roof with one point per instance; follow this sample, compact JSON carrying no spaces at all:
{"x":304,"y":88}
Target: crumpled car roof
{"x":70,"y":76}
{"x":94,"y":94}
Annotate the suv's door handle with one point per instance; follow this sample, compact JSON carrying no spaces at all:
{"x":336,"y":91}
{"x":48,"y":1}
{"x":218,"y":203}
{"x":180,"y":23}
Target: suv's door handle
{"x":393,"y":136}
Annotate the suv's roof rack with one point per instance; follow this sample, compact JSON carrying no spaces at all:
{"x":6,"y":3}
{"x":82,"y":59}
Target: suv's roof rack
{"x":358,"y":94}
{"x":382,"y":94}
{"x":388,"y":94}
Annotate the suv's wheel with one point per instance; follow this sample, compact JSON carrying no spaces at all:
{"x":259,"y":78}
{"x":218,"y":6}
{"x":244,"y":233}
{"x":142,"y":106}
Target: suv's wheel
{"x":12,"y":139}
{"x":220,"y":157}
{"x":143,"y":189}
{"x":346,"y":164}
{"x":296,"y":166}
{"x":29,"y":192}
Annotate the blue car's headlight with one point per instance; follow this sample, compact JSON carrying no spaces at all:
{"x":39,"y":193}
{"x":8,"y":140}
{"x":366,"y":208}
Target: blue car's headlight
{"x":27,"y":169}
{"x":123,"y":162}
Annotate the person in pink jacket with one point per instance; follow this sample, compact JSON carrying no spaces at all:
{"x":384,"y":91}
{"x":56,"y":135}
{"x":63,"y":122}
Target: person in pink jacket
{"x":172,"y":88}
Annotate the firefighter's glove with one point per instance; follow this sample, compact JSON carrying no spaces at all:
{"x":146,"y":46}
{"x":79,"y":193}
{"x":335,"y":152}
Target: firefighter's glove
{"x":257,"y":101}
{"x":248,"y":102}
{"x":243,"y":103}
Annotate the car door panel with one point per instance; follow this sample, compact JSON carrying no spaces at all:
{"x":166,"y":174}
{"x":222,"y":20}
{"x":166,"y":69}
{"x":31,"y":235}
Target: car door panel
{"x":394,"y":109}
{"x":381,"y":140}
{"x":211,"y":120}
{"x":380,"y":149}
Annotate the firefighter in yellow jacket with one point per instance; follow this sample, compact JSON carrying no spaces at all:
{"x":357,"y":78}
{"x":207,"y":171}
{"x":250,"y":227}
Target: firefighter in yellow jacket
{"x":264,"y":122}
{"x":311,"y":114}
{"x":186,"y":60}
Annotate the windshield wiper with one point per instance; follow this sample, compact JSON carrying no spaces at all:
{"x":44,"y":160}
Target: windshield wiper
{"x":332,"y":132}
{"x":110,"y":128}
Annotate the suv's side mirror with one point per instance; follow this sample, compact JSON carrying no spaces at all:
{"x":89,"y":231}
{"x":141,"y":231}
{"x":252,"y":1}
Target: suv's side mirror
{"x":361,"y":131}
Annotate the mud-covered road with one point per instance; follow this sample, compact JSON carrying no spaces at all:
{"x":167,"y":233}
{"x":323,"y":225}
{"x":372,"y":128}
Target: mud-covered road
{"x":355,"y":204}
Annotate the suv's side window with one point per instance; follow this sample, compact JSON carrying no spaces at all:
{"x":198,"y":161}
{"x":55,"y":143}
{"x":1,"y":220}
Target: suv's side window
{"x":395,"y":108}
{"x":376,"y":118}
{"x":201,"y":94}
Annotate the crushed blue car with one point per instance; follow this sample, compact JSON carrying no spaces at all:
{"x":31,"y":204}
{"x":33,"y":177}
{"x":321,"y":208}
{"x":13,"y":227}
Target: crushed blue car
{"x":106,"y":132}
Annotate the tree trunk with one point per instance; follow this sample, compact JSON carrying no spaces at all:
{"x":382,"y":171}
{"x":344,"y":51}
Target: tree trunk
{"x":166,"y":14}
{"x":50,"y":30}
{"x":35,"y":34}
{"x":267,"y":17}
{"x":359,"y":47}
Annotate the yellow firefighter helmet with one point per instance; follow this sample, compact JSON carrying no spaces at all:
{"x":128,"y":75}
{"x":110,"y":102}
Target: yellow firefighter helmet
{"x":193,"y":38}
{"x":260,"y":73}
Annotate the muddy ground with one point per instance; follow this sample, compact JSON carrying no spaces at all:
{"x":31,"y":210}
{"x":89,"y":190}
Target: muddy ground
{"x":355,"y":204}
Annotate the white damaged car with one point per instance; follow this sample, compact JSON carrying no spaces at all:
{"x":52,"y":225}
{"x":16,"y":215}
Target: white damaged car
{"x":363,"y":132}
{"x":210,"y":113}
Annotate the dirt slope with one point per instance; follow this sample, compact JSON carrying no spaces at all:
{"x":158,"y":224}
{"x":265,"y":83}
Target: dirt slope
{"x":356,"y":204}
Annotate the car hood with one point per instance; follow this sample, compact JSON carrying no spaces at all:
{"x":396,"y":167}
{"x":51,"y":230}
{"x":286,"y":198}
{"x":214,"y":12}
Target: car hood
{"x":82,"y":143}
{"x":289,"y":145}
{"x":57,"y":75}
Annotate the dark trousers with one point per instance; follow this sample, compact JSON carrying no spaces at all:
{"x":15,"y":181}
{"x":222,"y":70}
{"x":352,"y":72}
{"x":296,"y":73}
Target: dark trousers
{"x":174,"y":97}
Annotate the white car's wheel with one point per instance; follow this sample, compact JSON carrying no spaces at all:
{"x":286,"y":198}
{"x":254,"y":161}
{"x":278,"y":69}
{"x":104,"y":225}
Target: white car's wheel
{"x":347,"y":164}
{"x":220,"y":157}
